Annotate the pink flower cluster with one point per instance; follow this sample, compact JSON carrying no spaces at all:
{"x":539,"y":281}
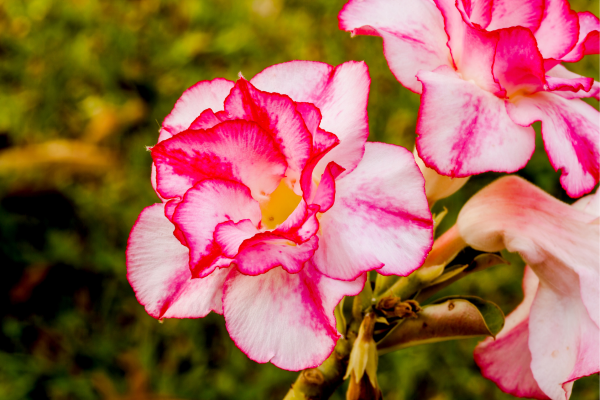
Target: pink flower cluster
{"x":274,"y":207}
{"x":488,"y":69}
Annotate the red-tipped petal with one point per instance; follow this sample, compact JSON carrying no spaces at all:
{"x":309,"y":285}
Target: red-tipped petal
{"x":158,"y":271}
{"x":235,"y":150}
{"x":285,"y":318}
{"x":412,"y":30}
{"x":205,"y":206}
{"x":559,"y":30}
{"x":380,"y":219}
{"x":340,"y":93}
{"x":464,"y":130}
{"x":570,"y":129}
{"x":587,"y":43}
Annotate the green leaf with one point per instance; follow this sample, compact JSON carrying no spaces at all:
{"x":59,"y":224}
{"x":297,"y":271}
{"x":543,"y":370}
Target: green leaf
{"x":456,"y":317}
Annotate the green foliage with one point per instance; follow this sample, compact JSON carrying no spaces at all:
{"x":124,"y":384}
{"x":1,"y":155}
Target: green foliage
{"x":84,"y":85}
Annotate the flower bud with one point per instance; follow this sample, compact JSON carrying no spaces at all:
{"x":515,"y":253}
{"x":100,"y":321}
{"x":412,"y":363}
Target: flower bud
{"x":363,"y":358}
{"x":438,"y":186}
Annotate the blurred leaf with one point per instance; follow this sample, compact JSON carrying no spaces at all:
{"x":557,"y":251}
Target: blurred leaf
{"x":450,"y":318}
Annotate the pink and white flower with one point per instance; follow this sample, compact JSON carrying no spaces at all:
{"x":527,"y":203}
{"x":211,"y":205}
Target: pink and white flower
{"x":552,"y":338}
{"x":488,"y":69}
{"x":274,"y":207}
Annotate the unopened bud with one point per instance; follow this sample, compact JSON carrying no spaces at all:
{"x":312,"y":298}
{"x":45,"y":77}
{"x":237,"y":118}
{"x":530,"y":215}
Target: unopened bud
{"x":362,"y":365}
{"x":438,"y":186}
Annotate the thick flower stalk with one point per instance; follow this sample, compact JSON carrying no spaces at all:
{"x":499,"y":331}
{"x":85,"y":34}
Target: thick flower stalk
{"x":487,"y":70}
{"x":274,"y":207}
{"x":552,"y":338}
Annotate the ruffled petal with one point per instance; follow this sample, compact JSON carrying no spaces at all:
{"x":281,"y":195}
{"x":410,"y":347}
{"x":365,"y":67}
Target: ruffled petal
{"x":570,"y":129}
{"x":412,"y":30}
{"x":236,"y":150}
{"x":477,"y":11}
{"x":209,"y":203}
{"x":268,"y":250}
{"x":203,"y":95}
{"x":284,"y":318}
{"x":587,"y":43}
{"x":158,"y":271}
{"x":340,"y":93}
{"x":506,"y":359}
{"x":559,"y":29}
{"x":518,"y":65}
{"x":277,"y":115}
{"x":380,"y":218}
{"x":509,"y":13}
{"x":464,"y":130}
{"x":325,"y":193}
{"x":570,"y":85}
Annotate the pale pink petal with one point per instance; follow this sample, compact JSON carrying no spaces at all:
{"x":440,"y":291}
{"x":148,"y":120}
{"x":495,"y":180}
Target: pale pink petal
{"x":518,"y":65}
{"x":589,"y":26}
{"x":268,"y":250}
{"x":559,"y":30}
{"x":412,"y":30}
{"x":464,"y":130}
{"x":285,"y":318}
{"x":234,"y":150}
{"x":277,"y":115}
{"x":158,"y":271}
{"x":340,"y":93}
{"x":570,"y":129}
{"x":302,"y":224}
{"x":203,"y":95}
{"x":563,"y":339}
{"x":203,"y":207}
{"x":560,"y":74}
{"x":380,"y":218}
{"x":506,"y":360}
{"x":509,"y":13}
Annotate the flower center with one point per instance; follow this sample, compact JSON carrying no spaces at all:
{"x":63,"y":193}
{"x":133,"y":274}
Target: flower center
{"x":281,"y":203}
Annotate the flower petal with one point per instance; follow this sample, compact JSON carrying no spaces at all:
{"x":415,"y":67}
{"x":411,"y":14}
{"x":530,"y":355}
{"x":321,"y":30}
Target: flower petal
{"x":268,"y":250}
{"x":235,"y":150}
{"x":559,"y":30}
{"x":158,"y":271}
{"x":277,"y":115}
{"x":203,"y":207}
{"x":570,"y":85}
{"x":285,"y":318}
{"x":380,"y":218}
{"x":340,"y":93}
{"x":325,"y":193}
{"x":464,"y":130}
{"x":587,"y":43}
{"x":570,"y":129}
{"x":518,"y":65}
{"x":509,"y":13}
{"x":203,"y":95}
{"x":412,"y":30}
{"x":506,"y":359}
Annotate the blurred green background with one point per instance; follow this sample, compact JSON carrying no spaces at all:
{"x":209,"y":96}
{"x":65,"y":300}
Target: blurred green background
{"x":84,"y":86}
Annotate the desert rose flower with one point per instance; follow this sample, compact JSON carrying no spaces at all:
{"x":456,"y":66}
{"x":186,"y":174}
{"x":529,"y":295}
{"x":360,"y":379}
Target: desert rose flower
{"x":552,"y":338}
{"x":487,"y":70}
{"x":274,"y":207}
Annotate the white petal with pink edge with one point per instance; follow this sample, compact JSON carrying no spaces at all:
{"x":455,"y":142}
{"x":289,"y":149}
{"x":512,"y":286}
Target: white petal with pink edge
{"x":340,"y":93}
{"x":158,"y":270}
{"x":203,"y":95}
{"x":206,"y":205}
{"x":571,"y":133}
{"x":235,"y":150}
{"x":464,"y":130}
{"x":412,"y":30}
{"x":285,"y":318}
{"x":559,"y":29}
{"x":509,"y":13}
{"x":380,"y":218}
{"x":587,"y":43}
